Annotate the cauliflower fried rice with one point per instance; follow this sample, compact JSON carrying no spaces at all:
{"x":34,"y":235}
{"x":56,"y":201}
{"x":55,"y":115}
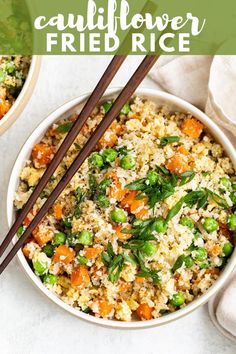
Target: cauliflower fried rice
{"x":13,"y":73}
{"x":147,"y":223}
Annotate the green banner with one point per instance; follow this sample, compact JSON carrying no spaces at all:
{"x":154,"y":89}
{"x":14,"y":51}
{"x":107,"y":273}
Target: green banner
{"x":117,"y":27}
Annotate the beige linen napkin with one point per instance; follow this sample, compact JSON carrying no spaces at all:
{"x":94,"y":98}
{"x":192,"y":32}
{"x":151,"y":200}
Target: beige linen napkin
{"x":205,"y":81}
{"x":210,"y":84}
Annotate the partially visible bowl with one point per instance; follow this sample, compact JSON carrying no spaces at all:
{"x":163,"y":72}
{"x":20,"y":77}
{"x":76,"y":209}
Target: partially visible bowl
{"x":24,"y":96}
{"x":65,"y":111}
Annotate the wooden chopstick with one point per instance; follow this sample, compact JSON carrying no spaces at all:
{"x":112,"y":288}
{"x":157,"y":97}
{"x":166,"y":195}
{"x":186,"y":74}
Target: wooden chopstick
{"x":123,"y":97}
{"x":98,"y":92}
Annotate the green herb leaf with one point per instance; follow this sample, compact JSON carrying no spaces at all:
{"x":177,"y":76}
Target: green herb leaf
{"x":148,"y":273}
{"x":115,"y":268}
{"x":123,"y":151}
{"x":187,"y":177}
{"x":218,"y":199}
{"x":92,"y":184}
{"x":138,"y":185}
{"x":64,"y":128}
{"x":175,"y":210}
{"x":169,"y":140}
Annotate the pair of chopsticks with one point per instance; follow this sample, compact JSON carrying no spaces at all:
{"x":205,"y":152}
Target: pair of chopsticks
{"x":92,"y":102}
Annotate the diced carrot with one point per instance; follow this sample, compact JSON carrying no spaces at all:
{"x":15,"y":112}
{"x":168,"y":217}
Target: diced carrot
{"x":141,"y":214}
{"x":124,"y":287}
{"x":57,"y":211}
{"x":192,"y":127}
{"x":26,"y":251}
{"x":92,"y":252}
{"x":80,"y":276}
{"x":104,"y":308}
{"x":116,"y":128}
{"x":177,"y":164}
{"x":128,"y":199}
{"x":215,"y":251}
{"x":144,"y":312}
{"x":121,"y":236}
{"x":135,"y":206}
{"x":29,"y":218}
{"x":109,"y":139}
{"x":115,"y":190}
{"x":182,"y":150}
{"x":139,"y":280}
{"x":64,"y":255}
{"x":4,"y":107}
{"x":43,"y":154}
{"x":42,"y":236}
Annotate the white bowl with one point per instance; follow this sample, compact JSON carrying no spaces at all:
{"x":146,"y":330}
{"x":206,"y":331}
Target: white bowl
{"x":23,"y":96}
{"x":65,"y":111}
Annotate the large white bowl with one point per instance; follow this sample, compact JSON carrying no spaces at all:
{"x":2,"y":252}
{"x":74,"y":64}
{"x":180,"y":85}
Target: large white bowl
{"x":24,"y":95}
{"x":65,"y":111}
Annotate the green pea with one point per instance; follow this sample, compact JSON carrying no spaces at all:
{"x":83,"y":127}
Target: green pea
{"x":118,"y":215}
{"x":48,"y":250}
{"x":177,"y":299}
{"x":210,"y":225}
{"x":67,"y":222}
{"x":204,"y":265}
{"x":104,"y":184}
{"x":127,"y":162}
{"x":160,"y":225}
{"x":233,"y":197}
{"x":232,"y":222}
{"x":126,"y":109}
{"x":107,"y":106}
{"x":59,"y":239}
{"x":188,"y":222}
{"x":20,"y":231}
{"x":188,"y":261}
{"x":149,"y":249}
{"x":103,"y":201}
{"x":225,"y":182}
{"x":50,"y":279}
{"x":10,"y":67}
{"x":81,"y":259}
{"x":72,"y":239}
{"x":152,"y":177}
{"x":200,"y":254}
{"x":205,"y":174}
{"x":85,"y":238}
{"x":40,"y":267}
{"x":228,"y":249}
{"x":96,"y":160}
{"x":109,"y":155}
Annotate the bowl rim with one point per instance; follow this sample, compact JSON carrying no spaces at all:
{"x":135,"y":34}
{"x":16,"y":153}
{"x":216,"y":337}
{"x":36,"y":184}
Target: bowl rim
{"x":24,"y":96}
{"x":35,"y":136}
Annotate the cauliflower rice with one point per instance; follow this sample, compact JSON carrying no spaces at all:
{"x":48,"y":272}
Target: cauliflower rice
{"x":147,"y":223}
{"x":13,"y":73}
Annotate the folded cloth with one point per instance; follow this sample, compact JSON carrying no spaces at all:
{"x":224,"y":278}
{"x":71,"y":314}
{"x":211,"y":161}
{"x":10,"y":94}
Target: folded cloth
{"x":205,"y":81}
{"x":209,"y":83}
{"x":226,"y":308}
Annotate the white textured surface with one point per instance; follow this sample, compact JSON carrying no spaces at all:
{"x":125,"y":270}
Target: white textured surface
{"x":29,"y":322}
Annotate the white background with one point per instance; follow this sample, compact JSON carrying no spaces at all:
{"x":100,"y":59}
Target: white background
{"x":29,"y":322}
